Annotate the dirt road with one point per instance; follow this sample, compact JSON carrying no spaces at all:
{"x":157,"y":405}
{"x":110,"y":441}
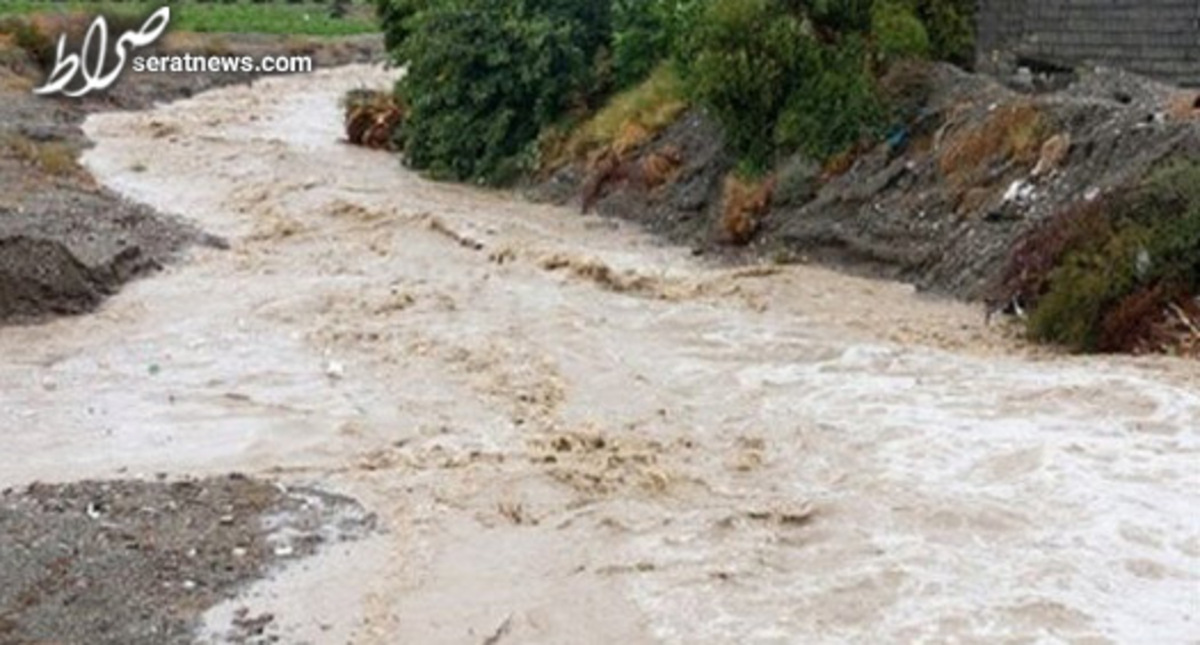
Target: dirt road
{"x":573,"y":435}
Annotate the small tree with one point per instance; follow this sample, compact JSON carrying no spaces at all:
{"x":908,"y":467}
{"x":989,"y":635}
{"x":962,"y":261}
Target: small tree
{"x":742,"y":62}
{"x":484,"y":78}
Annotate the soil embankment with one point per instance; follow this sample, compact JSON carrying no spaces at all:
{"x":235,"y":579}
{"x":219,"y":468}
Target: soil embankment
{"x":974,"y":165}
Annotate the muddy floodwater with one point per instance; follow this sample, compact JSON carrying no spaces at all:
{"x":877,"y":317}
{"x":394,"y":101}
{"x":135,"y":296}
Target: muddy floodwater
{"x":571,"y":433}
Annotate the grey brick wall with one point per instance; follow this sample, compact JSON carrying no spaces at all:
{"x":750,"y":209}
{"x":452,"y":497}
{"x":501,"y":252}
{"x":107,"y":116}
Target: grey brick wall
{"x":1158,"y":38}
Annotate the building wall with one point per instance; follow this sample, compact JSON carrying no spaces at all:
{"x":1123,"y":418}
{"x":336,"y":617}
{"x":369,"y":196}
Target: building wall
{"x":1159,"y":38}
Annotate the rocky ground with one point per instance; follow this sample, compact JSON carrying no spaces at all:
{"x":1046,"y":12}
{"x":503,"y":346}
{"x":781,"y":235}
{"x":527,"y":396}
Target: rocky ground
{"x":137,"y":562}
{"x":977,"y":163}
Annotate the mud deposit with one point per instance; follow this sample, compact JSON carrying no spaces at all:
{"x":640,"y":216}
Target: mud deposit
{"x":571,"y":434}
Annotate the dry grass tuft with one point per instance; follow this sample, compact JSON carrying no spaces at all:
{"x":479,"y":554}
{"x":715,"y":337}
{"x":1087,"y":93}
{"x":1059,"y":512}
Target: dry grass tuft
{"x":12,"y":81}
{"x":660,"y":167}
{"x":372,"y":118}
{"x":54,"y":157}
{"x":630,"y":137}
{"x":744,"y":207}
{"x":1011,"y":133}
{"x":1184,"y":106}
{"x":628,"y":121}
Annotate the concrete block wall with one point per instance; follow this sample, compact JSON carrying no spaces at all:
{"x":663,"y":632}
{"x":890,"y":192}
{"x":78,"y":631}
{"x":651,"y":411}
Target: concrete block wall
{"x":1159,"y":38}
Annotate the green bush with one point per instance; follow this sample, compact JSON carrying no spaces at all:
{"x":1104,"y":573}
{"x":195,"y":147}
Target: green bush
{"x":1090,"y":280}
{"x":395,"y":18}
{"x":898,"y":32}
{"x":841,"y":16}
{"x":1114,"y":264}
{"x":639,"y":39}
{"x":951,"y":28}
{"x":836,"y":106}
{"x":744,"y":60}
{"x":486,"y":76}
{"x":646,"y":32}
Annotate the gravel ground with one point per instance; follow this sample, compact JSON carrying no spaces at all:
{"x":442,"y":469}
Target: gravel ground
{"x":130,"y":562}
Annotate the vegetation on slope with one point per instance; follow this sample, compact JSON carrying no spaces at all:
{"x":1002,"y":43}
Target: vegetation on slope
{"x":488,"y":79}
{"x":1115,"y":274}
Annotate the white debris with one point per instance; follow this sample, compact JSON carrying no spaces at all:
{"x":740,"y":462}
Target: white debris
{"x":1143,"y":263}
{"x":1020,"y":191}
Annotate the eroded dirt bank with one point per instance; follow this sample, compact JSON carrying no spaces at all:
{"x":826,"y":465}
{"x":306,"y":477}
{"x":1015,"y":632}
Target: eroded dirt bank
{"x":571,"y":434}
{"x":65,"y":243}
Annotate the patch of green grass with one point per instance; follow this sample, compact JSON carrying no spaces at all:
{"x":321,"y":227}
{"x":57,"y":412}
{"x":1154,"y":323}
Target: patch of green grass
{"x":307,"y":19}
{"x":632,"y":116}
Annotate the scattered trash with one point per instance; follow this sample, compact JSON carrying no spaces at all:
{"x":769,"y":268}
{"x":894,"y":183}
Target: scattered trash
{"x":1019,"y":192}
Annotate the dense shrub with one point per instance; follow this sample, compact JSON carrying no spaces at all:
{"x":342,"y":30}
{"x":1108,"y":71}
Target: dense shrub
{"x":395,"y":18}
{"x":639,"y":39}
{"x":841,"y":16}
{"x":744,"y":61}
{"x":898,"y":32}
{"x":951,"y":28}
{"x":486,"y":76}
{"x":1089,"y":280}
{"x":834,"y":107}
{"x":1101,"y":275}
{"x":646,"y":32}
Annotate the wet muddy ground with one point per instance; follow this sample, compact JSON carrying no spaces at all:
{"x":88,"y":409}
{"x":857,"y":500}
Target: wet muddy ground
{"x":568,"y":432}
